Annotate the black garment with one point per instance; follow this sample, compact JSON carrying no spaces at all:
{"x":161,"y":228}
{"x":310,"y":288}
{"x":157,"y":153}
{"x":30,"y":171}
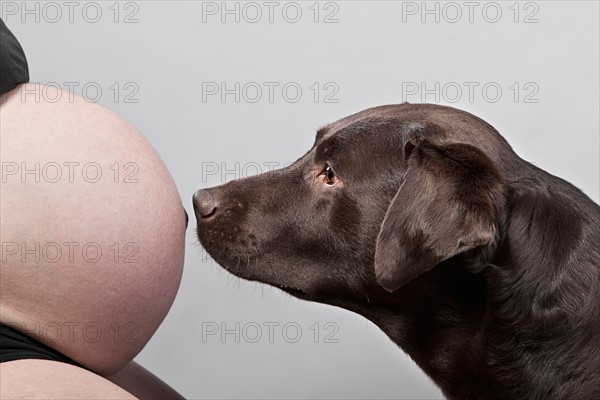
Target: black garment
{"x":13,"y":64}
{"x":16,"y":346}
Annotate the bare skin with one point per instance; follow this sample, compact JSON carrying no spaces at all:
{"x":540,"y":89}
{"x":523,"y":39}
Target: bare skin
{"x":35,"y":379}
{"x":92,"y":239}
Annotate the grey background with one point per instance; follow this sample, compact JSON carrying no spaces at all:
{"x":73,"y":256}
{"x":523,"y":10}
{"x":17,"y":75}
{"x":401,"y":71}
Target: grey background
{"x":370,"y":56}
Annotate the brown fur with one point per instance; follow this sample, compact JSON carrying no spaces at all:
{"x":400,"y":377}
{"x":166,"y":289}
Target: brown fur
{"x":484,"y":268}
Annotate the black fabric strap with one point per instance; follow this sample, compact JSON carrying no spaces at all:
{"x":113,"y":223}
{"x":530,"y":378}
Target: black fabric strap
{"x":13,"y":64}
{"x":15,"y":345}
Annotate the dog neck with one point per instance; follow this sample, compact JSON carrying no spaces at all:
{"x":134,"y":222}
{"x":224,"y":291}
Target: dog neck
{"x":437,"y":320}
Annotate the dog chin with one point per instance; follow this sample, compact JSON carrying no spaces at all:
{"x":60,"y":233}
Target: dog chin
{"x":246,"y":265}
{"x":296,"y":292}
{"x":248,"y":268}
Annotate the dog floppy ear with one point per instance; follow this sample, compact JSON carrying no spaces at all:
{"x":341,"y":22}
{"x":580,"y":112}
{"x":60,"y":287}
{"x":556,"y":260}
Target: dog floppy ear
{"x":445,"y":206}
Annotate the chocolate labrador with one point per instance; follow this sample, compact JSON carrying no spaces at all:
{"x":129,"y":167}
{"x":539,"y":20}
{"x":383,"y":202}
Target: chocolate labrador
{"x":482,"y":267}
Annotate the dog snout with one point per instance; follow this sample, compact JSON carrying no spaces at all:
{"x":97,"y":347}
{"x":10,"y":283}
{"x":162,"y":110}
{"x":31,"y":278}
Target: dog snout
{"x":205,"y":204}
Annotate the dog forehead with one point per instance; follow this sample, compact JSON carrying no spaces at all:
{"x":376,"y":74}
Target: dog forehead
{"x":441,"y":124}
{"x":360,"y":121}
{"x":368,"y":116}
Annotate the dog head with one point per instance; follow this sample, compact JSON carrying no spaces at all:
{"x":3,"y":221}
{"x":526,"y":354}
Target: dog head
{"x":382,"y":197}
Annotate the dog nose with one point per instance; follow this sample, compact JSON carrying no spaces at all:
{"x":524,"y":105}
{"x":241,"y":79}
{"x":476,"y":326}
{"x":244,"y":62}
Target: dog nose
{"x":205,"y":204}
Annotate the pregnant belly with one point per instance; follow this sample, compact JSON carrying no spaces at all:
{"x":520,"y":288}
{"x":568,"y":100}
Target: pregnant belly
{"x":92,"y":230}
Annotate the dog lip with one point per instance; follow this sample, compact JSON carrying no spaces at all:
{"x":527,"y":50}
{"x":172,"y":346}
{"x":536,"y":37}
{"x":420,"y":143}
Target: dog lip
{"x":294,"y":291}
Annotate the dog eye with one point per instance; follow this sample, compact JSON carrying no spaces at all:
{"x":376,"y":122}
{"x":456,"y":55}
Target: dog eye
{"x":330,"y":178}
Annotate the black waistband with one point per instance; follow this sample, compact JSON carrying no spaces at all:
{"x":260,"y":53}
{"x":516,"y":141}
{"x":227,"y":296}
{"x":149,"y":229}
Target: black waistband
{"x":15,"y":345}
